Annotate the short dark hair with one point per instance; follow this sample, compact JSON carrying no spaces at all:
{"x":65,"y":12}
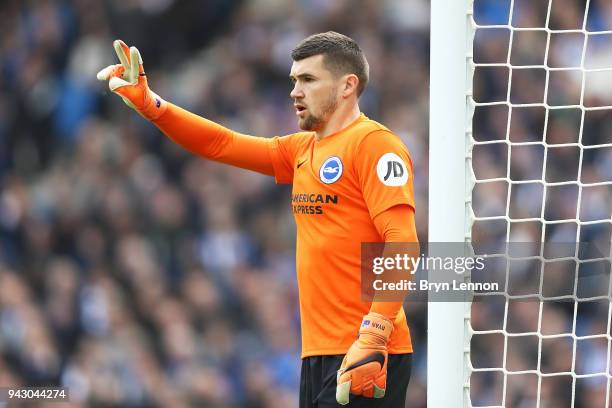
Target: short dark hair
{"x":341,"y":55}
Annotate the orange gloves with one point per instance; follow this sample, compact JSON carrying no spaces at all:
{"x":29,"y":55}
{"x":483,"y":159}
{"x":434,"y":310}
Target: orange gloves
{"x":129,"y":81}
{"x":364,"y":368}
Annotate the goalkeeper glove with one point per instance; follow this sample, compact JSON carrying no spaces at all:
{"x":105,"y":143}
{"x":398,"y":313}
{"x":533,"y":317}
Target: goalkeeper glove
{"x":364,"y":368}
{"x":129,"y":81}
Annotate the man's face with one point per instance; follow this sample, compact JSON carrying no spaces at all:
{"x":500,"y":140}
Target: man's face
{"x":315,"y":92}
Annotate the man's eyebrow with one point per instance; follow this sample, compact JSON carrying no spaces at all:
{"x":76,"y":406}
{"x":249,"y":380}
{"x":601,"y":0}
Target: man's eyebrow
{"x":302,"y":75}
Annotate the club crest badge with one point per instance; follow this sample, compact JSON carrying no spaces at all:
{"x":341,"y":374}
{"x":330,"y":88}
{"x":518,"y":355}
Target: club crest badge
{"x":331,"y":170}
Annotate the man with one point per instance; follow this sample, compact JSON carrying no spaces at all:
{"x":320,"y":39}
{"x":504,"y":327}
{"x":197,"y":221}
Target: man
{"x":352,"y":183}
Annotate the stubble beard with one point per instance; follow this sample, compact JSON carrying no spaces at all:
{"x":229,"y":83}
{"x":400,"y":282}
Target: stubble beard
{"x":313,"y":123}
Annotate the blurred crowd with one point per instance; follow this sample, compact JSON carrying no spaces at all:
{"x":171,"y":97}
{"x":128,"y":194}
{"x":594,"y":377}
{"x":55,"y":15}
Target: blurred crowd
{"x":131,"y":271}
{"x":138,"y":275}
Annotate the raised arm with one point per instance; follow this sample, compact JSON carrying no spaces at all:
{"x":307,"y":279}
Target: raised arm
{"x":213,"y":141}
{"x":196,"y":134}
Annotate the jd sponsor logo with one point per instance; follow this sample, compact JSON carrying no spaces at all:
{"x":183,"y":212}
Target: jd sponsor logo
{"x":331,"y":170}
{"x":392,"y":170}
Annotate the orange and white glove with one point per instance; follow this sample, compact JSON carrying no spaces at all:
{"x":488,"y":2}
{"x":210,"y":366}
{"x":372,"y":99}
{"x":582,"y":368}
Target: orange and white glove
{"x":129,"y":81}
{"x":364,"y":368}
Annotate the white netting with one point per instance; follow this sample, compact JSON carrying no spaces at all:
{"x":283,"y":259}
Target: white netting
{"x":541,"y":164}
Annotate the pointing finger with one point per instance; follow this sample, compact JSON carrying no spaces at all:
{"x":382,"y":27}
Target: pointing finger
{"x":123,"y":52}
{"x":135,"y":65}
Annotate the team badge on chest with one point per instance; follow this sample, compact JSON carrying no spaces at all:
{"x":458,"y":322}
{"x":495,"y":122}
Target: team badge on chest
{"x":331,"y":170}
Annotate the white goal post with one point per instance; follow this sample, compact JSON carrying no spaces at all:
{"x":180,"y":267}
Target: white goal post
{"x":449,"y":192}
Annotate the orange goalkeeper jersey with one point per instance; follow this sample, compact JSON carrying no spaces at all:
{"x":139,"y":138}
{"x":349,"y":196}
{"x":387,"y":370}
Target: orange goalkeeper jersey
{"x":340,"y":183}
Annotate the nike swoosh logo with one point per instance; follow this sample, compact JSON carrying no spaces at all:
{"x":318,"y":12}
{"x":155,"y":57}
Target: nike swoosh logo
{"x":375,"y":357}
{"x":300,"y":163}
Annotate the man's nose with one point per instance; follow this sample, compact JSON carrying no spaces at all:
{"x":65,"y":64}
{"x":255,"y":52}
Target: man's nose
{"x":296,"y":92}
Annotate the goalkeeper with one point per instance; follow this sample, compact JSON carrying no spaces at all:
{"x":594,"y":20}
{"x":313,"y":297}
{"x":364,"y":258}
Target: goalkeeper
{"x":352,"y":183}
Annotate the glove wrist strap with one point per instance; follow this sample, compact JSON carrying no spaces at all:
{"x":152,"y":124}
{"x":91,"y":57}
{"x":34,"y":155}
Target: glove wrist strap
{"x":377,"y":326}
{"x":153,"y":107}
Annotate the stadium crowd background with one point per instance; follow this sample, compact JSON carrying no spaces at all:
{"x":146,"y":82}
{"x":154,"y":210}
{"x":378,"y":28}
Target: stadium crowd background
{"x":137,"y":274}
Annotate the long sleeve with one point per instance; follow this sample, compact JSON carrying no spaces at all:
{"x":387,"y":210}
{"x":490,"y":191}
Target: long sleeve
{"x":396,"y":224}
{"x":215,"y":142}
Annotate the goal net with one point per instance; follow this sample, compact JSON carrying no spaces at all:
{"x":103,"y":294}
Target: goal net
{"x":539,"y":157}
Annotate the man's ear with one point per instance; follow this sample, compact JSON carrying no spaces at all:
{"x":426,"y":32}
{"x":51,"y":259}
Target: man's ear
{"x":351,"y":82}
